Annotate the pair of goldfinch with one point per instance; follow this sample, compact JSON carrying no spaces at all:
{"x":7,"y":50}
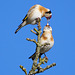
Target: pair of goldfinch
{"x":35,"y":12}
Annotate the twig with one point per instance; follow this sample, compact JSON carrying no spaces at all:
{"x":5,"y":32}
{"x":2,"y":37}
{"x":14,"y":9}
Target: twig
{"x":43,"y":69}
{"x":36,"y":30}
{"x":24,"y":69}
{"x":33,"y":40}
{"x":33,"y":32}
{"x":41,"y":61}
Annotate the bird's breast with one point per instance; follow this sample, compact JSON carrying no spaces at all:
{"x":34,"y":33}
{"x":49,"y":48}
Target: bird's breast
{"x":49,"y":39}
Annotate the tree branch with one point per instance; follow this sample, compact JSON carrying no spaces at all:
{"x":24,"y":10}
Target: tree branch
{"x":36,"y":30}
{"x":34,"y":67}
{"x":43,"y":69}
{"x":33,"y":40}
{"x":23,"y":69}
{"x":33,"y":32}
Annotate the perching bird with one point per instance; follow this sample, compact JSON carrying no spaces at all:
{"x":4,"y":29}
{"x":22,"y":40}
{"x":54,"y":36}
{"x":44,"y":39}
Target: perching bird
{"x":45,"y":38}
{"x":35,"y":12}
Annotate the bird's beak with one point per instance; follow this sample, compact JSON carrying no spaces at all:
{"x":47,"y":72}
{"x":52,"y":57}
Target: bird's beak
{"x":49,"y":18}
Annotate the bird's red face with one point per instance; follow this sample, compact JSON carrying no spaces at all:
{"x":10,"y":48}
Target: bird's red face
{"x":48,"y":15}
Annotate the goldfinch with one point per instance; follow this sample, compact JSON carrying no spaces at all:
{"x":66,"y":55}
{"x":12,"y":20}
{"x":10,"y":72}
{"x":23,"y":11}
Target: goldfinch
{"x":35,"y":12}
{"x":45,"y":38}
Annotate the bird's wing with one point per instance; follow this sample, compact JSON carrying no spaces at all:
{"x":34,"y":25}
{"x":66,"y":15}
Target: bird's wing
{"x":25,"y":18}
{"x":29,"y":12}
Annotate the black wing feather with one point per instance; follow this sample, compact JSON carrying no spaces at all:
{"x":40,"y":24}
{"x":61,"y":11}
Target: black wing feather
{"x":25,"y":18}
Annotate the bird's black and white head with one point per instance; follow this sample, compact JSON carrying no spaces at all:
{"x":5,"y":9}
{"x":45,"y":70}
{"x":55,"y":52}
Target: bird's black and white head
{"x":47,"y":28}
{"x":48,"y":14}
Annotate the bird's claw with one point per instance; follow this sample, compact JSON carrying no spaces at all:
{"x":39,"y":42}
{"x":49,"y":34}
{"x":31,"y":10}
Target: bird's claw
{"x":46,"y":57}
{"x":38,"y":19}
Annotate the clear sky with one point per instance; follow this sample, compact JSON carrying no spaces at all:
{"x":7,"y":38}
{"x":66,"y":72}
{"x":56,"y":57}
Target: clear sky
{"x":15,"y":49}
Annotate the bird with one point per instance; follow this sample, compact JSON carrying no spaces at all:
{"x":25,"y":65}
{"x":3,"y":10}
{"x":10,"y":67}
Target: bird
{"x":46,"y":37}
{"x":35,"y":12}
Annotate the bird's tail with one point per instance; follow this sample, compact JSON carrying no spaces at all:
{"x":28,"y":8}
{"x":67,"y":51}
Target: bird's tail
{"x":20,"y":26}
{"x":33,"y":56}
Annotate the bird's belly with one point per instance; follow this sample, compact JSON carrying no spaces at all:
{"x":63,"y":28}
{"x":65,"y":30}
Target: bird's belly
{"x":46,"y":48}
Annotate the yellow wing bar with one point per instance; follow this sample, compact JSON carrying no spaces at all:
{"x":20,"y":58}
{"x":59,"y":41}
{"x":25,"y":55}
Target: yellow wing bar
{"x":25,"y":18}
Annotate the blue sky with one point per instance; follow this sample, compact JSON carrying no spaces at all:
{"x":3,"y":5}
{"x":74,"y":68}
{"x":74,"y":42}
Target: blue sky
{"x":15,"y":49}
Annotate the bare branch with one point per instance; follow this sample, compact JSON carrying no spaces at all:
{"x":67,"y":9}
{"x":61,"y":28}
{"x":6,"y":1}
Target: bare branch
{"x":43,"y":69}
{"x":33,"y":40}
{"x":33,"y":32}
{"x":24,"y":69}
{"x":36,"y":30}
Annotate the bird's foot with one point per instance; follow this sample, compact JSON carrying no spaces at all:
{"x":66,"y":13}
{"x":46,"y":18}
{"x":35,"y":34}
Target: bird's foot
{"x":38,"y":19}
{"x":38,"y":22}
{"x":46,"y":57}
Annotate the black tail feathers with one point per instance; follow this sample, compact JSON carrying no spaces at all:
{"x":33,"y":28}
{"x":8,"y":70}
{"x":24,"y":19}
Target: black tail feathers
{"x":19,"y":27}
